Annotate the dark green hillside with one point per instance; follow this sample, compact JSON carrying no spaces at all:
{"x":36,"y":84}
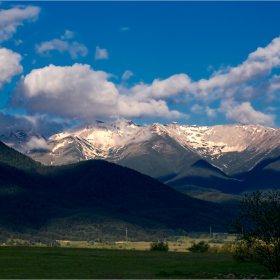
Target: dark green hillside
{"x":204,"y":175}
{"x":86,"y":196}
{"x":265,"y":175}
{"x":123,"y":190}
{"x":209,"y":194}
{"x":13,"y":158}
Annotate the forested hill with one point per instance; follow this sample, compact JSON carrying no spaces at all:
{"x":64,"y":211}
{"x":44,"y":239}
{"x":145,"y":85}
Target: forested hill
{"x":13,"y":158}
{"x":87,"y":196}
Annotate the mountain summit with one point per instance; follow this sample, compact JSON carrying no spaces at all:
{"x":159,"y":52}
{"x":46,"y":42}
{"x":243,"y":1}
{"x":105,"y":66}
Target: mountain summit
{"x":161,"y":151}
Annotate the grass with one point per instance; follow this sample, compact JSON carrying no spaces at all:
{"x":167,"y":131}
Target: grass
{"x":177,"y":245}
{"x":82,"y":263}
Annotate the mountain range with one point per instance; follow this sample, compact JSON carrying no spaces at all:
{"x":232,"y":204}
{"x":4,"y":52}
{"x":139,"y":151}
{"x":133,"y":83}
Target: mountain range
{"x":95,"y":199}
{"x":222,"y":157}
{"x":91,"y":181}
{"x":233,"y":149}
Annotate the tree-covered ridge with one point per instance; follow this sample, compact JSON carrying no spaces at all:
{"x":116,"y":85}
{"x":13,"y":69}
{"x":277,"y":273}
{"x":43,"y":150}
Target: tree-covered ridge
{"x":16,"y":159}
{"x":95,"y":198}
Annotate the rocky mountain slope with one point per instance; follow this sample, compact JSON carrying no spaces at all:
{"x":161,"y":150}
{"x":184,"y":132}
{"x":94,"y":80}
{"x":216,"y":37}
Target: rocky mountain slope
{"x":161,"y":151}
{"x":23,"y":140}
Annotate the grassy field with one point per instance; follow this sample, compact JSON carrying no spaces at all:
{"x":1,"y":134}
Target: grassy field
{"x":177,"y":245}
{"x":82,"y":263}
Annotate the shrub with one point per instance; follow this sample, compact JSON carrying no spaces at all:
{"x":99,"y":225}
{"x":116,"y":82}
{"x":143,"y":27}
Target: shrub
{"x":227,"y":247}
{"x":200,"y":247}
{"x":214,"y":249}
{"x":159,"y":246}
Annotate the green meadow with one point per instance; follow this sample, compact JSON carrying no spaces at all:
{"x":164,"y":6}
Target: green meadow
{"x":84,"y":263}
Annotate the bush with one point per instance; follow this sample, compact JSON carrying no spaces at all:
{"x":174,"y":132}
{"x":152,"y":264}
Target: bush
{"x":159,"y":246}
{"x":257,"y":228}
{"x":227,"y":247}
{"x":200,"y":247}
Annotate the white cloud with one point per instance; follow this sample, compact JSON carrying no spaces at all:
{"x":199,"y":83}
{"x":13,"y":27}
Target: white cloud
{"x":223,"y":84}
{"x":274,"y":84}
{"x":144,"y":135}
{"x":130,"y":107}
{"x":243,"y":83}
{"x":258,"y":65}
{"x":127,"y":74}
{"x":197,"y":109}
{"x":80,"y":92}
{"x":161,"y":89}
{"x":18,"y":42}
{"x":9,"y":65}
{"x":68,"y":35}
{"x":12,"y":18}
{"x":35,"y":143}
{"x":100,"y":54}
{"x":270,"y":109}
{"x":244,"y":113}
{"x":75,"y":49}
{"x":211,"y":113}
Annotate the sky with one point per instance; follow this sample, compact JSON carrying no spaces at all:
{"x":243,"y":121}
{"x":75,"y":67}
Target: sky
{"x":202,"y":63}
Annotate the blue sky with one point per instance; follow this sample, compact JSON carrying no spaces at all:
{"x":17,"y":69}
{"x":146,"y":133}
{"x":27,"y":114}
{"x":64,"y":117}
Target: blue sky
{"x":204,"y":63}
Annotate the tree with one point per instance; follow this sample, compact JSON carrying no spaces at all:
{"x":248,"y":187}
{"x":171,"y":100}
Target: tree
{"x":159,"y":246}
{"x":258,"y":229}
{"x":200,"y":247}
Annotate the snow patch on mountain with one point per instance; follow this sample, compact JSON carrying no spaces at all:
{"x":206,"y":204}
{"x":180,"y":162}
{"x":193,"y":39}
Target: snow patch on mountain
{"x":228,"y":147}
{"x":220,"y":139}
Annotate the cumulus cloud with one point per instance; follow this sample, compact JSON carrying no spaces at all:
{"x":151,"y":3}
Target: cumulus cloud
{"x":75,"y":49}
{"x":243,"y":83}
{"x":197,"y":109}
{"x":72,"y":90}
{"x":130,"y":107}
{"x":274,"y":84}
{"x":100,"y":54}
{"x":9,"y":65}
{"x":166,"y":88}
{"x":225,"y":83}
{"x":126,"y":75}
{"x":244,"y":113}
{"x":211,"y":113}
{"x":68,"y":35}
{"x":12,"y":18}
{"x":228,"y":82}
{"x":80,"y":92}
